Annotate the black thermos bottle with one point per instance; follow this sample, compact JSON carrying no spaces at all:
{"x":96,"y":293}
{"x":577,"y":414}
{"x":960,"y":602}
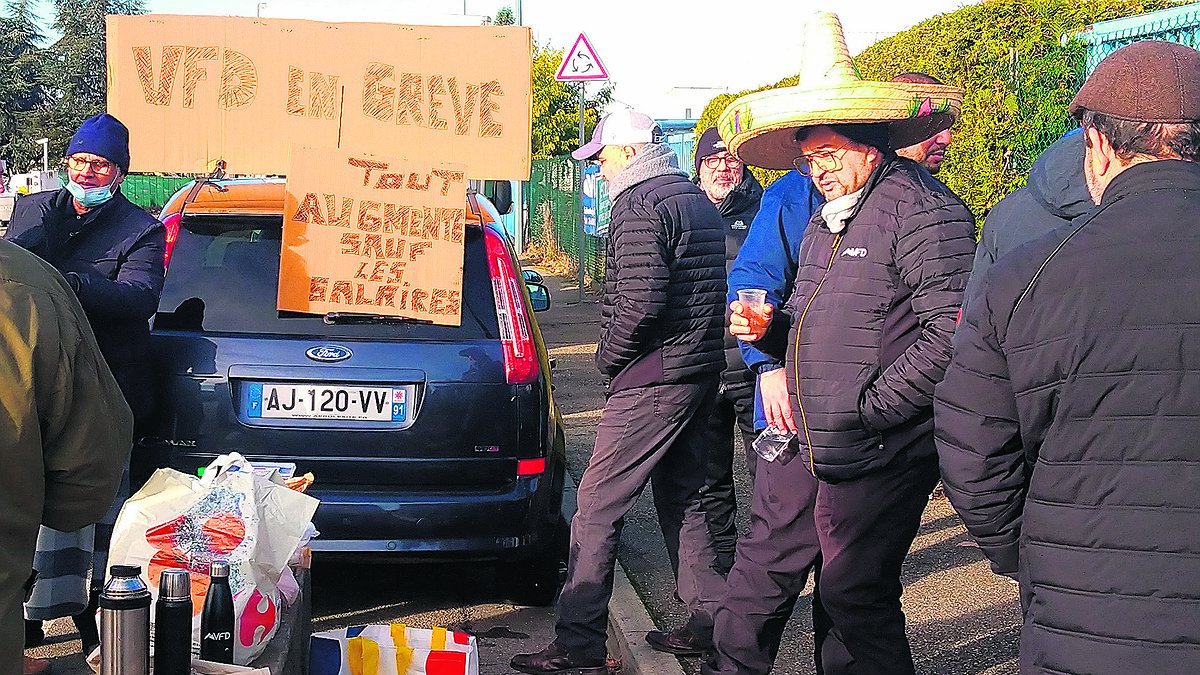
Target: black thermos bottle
{"x":173,"y":624}
{"x":216,"y":619}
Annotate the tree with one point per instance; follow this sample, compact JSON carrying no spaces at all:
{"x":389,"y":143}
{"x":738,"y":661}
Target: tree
{"x":505,"y":17}
{"x":556,"y":106}
{"x":79,"y":75}
{"x":1009,"y":57}
{"x":22,"y":93}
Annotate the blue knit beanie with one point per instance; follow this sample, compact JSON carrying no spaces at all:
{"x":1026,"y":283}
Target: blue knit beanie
{"x":103,"y":135}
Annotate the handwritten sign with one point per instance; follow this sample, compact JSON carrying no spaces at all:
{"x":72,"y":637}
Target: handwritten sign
{"x":195,"y":89}
{"x":367,"y":235}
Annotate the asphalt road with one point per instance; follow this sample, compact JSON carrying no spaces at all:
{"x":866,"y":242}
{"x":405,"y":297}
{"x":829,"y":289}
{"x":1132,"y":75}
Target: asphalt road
{"x":962,"y":619}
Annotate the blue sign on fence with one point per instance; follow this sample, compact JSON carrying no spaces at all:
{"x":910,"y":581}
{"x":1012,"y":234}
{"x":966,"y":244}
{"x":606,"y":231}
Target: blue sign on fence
{"x":591,"y":201}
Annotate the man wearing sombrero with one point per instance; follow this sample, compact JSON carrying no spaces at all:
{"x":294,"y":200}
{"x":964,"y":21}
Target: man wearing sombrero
{"x":865,"y":334}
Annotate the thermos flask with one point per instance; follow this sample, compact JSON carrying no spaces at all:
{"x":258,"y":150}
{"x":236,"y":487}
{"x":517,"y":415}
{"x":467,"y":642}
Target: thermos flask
{"x":216,"y":619}
{"x":125,"y":623}
{"x":173,"y":624}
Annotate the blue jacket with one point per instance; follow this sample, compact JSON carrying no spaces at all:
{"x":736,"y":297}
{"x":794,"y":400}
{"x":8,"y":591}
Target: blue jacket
{"x":769,"y":256}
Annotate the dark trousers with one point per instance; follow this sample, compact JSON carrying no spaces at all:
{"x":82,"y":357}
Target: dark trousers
{"x":866,"y":527}
{"x":735,"y":402}
{"x":770,"y":570}
{"x":854,"y":535}
{"x":658,"y":435}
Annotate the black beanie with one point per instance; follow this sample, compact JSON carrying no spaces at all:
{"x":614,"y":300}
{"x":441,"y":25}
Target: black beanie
{"x":710,"y":143}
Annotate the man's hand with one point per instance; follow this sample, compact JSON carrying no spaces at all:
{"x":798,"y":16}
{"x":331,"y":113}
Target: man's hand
{"x":777,"y":405}
{"x":746,"y":325}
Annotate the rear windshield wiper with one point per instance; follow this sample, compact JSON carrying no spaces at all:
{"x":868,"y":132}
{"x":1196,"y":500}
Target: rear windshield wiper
{"x":343,"y":318}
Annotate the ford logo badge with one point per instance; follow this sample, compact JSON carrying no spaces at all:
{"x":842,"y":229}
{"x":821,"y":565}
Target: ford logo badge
{"x":329,"y":353}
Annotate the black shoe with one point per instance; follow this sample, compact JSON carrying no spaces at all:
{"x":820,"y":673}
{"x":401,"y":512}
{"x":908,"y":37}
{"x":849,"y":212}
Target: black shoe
{"x":555,"y":659}
{"x":680,"y":642}
{"x":34,"y":635}
{"x":85,"y":623}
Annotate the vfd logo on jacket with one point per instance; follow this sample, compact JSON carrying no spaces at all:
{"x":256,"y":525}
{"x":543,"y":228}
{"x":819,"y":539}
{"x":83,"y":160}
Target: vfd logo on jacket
{"x":858,"y":252}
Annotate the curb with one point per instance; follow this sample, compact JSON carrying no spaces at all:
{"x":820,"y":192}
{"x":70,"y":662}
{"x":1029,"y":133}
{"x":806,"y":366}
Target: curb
{"x":628,"y":623}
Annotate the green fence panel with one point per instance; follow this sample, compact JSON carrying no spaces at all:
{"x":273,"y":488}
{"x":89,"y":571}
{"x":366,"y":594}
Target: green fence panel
{"x":553,"y":203}
{"x":151,"y":192}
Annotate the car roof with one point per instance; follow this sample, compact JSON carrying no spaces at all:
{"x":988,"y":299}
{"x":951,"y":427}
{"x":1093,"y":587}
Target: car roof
{"x":247,"y":197}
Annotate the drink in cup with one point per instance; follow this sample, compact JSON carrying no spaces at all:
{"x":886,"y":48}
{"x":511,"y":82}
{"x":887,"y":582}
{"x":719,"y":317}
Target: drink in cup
{"x":754,"y":302}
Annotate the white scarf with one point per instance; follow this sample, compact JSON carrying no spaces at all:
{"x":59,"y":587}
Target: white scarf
{"x":836,"y":211}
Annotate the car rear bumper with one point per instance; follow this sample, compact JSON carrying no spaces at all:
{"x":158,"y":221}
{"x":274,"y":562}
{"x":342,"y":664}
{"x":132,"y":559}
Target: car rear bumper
{"x":511,"y":524}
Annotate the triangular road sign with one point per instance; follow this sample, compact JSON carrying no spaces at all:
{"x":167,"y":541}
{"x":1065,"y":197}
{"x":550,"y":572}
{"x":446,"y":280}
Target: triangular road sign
{"x":581,"y":62}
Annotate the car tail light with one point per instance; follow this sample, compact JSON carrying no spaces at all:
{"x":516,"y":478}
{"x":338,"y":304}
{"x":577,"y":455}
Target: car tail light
{"x":520,"y":352}
{"x":171,"y":222}
{"x":531,"y":467}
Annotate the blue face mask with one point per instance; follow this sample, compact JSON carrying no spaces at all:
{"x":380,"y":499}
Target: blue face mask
{"x":90,"y":198}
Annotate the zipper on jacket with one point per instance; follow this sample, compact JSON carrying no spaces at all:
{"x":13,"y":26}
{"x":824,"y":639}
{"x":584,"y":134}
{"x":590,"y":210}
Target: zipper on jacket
{"x":837,"y":240}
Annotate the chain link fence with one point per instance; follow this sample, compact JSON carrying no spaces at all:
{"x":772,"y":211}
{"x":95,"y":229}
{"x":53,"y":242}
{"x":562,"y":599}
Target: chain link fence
{"x":554,"y":215}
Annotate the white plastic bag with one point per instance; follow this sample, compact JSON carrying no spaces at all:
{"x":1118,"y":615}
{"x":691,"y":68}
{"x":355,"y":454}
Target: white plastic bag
{"x":177,"y":521}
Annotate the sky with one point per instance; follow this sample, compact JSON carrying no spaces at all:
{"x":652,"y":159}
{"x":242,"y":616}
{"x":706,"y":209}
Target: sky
{"x":664,"y":57}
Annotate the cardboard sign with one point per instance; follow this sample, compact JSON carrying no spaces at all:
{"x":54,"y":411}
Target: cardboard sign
{"x":367,"y":235}
{"x":195,"y":89}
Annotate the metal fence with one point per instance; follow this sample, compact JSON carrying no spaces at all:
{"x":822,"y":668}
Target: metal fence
{"x":553,"y":202}
{"x":1177,"y":24}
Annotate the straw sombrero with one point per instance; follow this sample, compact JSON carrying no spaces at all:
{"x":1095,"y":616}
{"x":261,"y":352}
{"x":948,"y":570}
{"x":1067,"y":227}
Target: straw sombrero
{"x":760,"y":128}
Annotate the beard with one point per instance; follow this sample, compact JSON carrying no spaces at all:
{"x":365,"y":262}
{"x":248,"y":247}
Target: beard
{"x":717,"y":192}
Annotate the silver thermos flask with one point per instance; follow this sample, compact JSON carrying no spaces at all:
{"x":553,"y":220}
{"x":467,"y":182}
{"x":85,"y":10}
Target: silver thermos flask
{"x":125,"y":623}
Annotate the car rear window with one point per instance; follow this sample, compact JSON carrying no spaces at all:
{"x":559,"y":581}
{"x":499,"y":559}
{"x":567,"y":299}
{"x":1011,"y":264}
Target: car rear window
{"x":224,"y":277}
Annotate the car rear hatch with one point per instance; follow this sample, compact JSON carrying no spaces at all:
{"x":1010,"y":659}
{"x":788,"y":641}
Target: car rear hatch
{"x":367,"y":405}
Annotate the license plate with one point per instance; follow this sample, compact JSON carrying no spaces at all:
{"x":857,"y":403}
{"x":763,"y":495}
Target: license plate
{"x":326,"y":402}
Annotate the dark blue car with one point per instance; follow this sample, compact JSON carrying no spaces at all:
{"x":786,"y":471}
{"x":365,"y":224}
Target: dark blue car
{"x":426,"y":441}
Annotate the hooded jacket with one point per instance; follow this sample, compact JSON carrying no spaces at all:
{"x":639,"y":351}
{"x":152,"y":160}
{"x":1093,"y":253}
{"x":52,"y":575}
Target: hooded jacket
{"x":65,"y":432}
{"x":663,"y":308}
{"x":870,"y":322}
{"x":738,"y":211}
{"x":115,"y":251}
{"x":1055,"y":195}
{"x":1067,"y":429}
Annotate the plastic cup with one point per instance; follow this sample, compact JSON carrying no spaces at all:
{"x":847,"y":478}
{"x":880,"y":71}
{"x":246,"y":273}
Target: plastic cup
{"x":754,"y":301}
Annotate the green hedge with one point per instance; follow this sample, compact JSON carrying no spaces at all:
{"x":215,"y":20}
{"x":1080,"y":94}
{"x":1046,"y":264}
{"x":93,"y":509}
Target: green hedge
{"x":1019,"y":77}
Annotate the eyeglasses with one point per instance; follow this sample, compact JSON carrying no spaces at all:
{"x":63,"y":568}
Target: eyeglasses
{"x":825,"y":160}
{"x":100,"y":167}
{"x":717,"y":161}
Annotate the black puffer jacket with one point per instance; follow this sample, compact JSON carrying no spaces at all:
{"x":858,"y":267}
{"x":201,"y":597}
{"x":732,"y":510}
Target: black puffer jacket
{"x":1067,"y":430}
{"x":738,"y":211}
{"x":1055,"y":195}
{"x":664,"y":287}
{"x":116,"y":253}
{"x":871,"y":318}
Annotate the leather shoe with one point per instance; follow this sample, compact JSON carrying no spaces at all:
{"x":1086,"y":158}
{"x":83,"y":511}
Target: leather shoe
{"x":680,"y":642}
{"x":555,"y":659}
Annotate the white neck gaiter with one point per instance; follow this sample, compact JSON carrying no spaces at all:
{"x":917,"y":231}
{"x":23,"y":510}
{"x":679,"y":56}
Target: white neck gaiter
{"x":836,"y":211}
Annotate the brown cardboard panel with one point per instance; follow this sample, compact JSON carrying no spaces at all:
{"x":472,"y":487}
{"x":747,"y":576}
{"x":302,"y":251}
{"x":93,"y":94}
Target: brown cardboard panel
{"x":373,"y":235}
{"x":195,"y":89}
